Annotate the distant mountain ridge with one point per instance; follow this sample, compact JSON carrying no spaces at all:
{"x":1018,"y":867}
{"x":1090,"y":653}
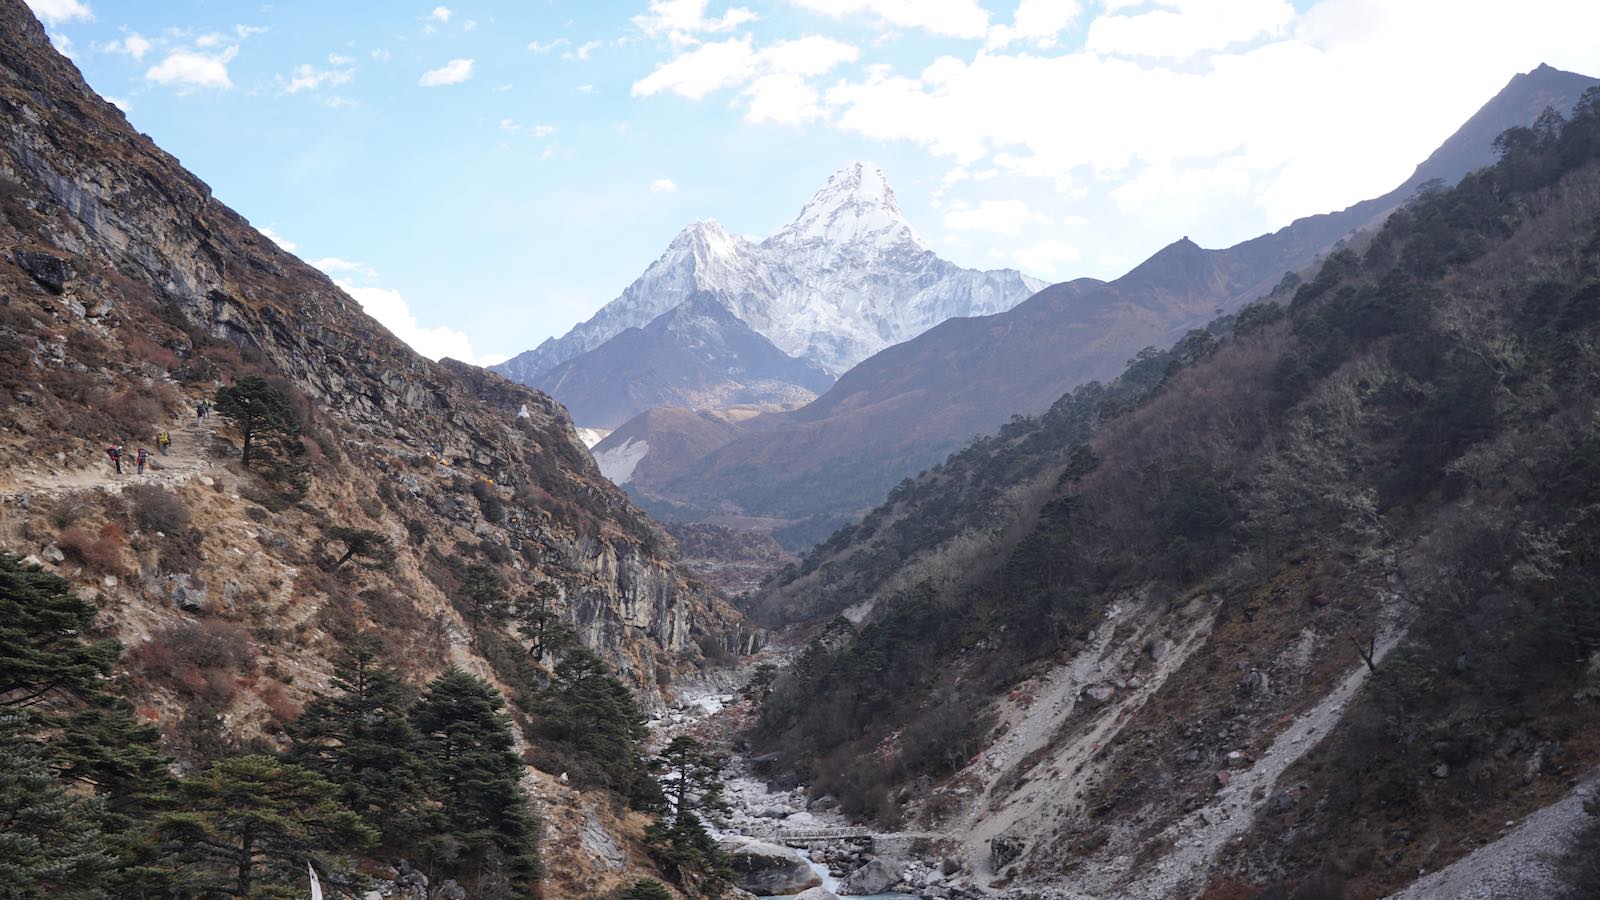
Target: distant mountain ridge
{"x":911,"y":404}
{"x":697,"y":354}
{"x":845,"y":278}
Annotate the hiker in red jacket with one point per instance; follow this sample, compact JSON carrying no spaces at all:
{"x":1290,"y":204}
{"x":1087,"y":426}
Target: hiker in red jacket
{"x":115,"y":452}
{"x":144,"y":455}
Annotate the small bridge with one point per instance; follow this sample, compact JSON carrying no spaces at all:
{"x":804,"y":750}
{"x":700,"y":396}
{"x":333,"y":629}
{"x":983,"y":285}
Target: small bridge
{"x":805,"y":837}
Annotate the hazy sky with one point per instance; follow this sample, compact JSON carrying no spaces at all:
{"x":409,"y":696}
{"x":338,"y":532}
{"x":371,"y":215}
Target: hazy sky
{"x":483,"y":175}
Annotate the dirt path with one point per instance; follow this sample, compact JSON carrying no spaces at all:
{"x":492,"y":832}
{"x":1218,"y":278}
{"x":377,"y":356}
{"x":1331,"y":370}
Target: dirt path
{"x":188,"y":457}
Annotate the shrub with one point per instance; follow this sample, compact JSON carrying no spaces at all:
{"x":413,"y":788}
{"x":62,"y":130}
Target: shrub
{"x":201,"y":660}
{"x":489,"y":502}
{"x":646,"y":889}
{"x":157,"y":509}
{"x":69,"y":509}
{"x":102,"y":554}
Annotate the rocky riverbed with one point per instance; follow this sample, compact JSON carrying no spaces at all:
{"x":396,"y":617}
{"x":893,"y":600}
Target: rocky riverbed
{"x":772,"y":814}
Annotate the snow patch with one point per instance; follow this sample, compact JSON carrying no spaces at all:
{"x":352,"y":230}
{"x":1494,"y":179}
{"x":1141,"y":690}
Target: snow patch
{"x":592,"y":436}
{"x":618,"y":464}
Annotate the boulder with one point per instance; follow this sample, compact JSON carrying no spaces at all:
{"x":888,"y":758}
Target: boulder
{"x":816,"y":893}
{"x":1100,"y":693}
{"x":53,"y":554}
{"x":767,"y":869}
{"x":873,"y":878}
{"x":49,"y":270}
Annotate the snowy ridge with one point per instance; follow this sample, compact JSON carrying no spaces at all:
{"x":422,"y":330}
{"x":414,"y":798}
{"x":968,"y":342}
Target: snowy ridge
{"x":844,"y":279}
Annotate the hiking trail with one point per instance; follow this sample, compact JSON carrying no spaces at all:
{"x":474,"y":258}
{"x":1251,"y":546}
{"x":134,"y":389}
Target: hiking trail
{"x":188,"y":457}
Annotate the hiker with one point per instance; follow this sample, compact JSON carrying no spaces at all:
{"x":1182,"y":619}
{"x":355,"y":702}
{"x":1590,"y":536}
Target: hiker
{"x":115,"y":452}
{"x":199,"y":413}
{"x":142,"y":458}
{"x":163,"y":441}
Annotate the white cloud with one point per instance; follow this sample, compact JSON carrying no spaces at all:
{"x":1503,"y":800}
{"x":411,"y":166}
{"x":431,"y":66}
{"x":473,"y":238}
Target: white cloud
{"x":337,"y":59}
{"x":681,"y":20}
{"x":951,"y":18}
{"x":776,"y":76}
{"x":997,"y":216}
{"x":381,"y":55}
{"x":307,"y":77}
{"x":191,"y":69}
{"x":58,"y":12}
{"x":537,"y":47}
{"x":1307,"y":116}
{"x":585,"y":88}
{"x":583,"y":50}
{"x":706,"y":68}
{"x":453,"y":72}
{"x":782,"y":98}
{"x":246,"y":32}
{"x":1044,"y":256}
{"x":1039,"y":21}
{"x":512,"y":126}
{"x":392,"y":311}
{"x":663,"y":186}
{"x":335,"y":266}
{"x":440,"y":14}
{"x":134,"y":45}
{"x":1188,"y":27}
{"x":274,"y":237}
{"x":120,"y":103}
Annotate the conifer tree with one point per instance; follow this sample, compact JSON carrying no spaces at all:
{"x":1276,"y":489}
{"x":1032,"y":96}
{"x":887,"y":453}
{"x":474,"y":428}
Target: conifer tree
{"x":691,"y":778}
{"x":249,"y":825}
{"x":50,"y":840}
{"x":44,"y":656}
{"x":592,"y":719}
{"x":359,"y":738}
{"x":467,"y":749}
{"x":261,"y":412}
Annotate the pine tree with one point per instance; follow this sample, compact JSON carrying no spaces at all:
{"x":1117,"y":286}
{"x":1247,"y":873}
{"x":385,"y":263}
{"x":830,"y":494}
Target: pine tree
{"x":249,"y":825}
{"x":43,"y":654}
{"x":691,"y":777}
{"x":50,"y":840}
{"x":359,"y":738}
{"x":467,"y":749}
{"x":369,"y":548}
{"x":261,"y":412}
{"x":485,"y":594}
{"x":54,"y":699}
{"x":540,"y":623}
{"x":591,"y":722}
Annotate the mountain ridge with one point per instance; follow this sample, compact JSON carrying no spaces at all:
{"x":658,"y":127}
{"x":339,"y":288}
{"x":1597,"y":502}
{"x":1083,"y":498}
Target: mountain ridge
{"x":908,"y":406}
{"x":845,"y":277}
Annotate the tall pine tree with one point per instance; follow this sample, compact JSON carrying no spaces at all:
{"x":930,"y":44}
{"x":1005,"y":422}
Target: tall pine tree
{"x":359,"y":738}
{"x":467,"y":746}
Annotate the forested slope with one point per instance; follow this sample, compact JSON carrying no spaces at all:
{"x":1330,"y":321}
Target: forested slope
{"x":1343,"y":556}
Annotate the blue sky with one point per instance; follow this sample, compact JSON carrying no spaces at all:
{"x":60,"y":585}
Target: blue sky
{"x":482,"y":175}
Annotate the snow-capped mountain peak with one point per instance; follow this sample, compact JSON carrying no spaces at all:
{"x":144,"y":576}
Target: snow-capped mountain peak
{"x":845,"y":278}
{"x":856,"y":205}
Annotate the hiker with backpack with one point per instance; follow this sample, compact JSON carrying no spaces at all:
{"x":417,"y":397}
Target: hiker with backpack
{"x":163,"y":441}
{"x":142,"y":458}
{"x":115,"y":452}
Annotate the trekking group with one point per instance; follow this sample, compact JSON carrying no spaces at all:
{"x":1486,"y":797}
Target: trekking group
{"x":116,"y":452}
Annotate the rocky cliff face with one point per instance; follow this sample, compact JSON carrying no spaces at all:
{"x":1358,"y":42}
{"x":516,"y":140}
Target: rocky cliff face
{"x":130,"y":292}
